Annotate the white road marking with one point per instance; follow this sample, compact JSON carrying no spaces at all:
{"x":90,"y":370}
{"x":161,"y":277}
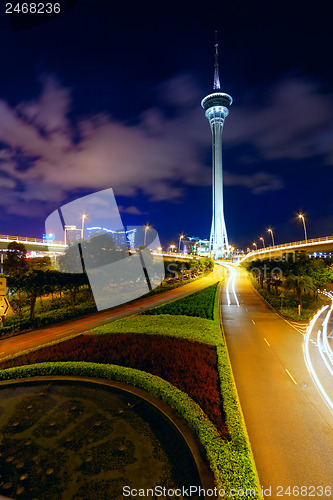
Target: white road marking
{"x":290,"y":375}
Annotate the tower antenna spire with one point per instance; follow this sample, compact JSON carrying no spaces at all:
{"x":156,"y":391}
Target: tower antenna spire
{"x":217,"y":84}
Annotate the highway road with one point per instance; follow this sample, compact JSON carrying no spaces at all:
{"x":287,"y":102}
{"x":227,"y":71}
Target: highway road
{"x":289,"y":424}
{"x":67,"y":328}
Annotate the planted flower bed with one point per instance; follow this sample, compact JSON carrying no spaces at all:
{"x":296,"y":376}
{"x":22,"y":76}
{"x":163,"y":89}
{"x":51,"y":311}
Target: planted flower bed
{"x":190,"y":366}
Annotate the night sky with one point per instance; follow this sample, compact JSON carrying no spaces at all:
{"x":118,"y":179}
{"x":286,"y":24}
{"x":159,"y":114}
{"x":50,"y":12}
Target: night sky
{"x":108,"y":96}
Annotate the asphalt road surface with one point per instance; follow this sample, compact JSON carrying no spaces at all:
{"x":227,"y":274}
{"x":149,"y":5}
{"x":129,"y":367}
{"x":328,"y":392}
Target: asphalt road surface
{"x":289,"y":424}
{"x":67,"y":328}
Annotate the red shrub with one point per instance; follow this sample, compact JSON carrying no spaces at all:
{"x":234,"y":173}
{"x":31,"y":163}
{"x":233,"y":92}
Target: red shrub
{"x":190,"y":366}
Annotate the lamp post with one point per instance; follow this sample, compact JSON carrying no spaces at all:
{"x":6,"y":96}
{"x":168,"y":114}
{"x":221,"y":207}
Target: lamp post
{"x":159,"y":249}
{"x":263,"y":241}
{"x":301,"y":216}
{"x":147,"y":227}
{"x":172,"y":247}
{"x":180,"y":239}
{"x":255,"y":245}
{"x":269,"y":230}
{"x":82,"y":227}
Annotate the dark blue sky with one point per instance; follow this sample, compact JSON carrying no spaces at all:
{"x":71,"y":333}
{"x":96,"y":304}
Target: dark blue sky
{"x":108,"y":95}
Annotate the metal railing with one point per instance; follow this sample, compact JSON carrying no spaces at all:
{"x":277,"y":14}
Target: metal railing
{"x":285,"y":246}
{"x":25,"y":239}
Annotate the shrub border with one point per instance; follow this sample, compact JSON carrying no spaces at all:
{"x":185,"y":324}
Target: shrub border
{"x":238,"y":464}
{"x":232,"y":462}
{"x":197,"y":420}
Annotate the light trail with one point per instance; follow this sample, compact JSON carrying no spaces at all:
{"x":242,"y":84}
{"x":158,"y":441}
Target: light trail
{"x":322,"y":352}
{"x":308,"y":361}
{"x":231,"y":281}
{"x":227,"y":290}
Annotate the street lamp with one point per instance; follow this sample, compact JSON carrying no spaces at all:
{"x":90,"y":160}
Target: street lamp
{"x":255,"y":245}
{"x":269,"y":230}
{"x":84,"y":216}
{"x":263,"y":241}
{"x":180,"y":239}
{"x":147,"y":227}
{"x":172,"y":247}
{"x":159,"y":249}
{"x":301,"y":216}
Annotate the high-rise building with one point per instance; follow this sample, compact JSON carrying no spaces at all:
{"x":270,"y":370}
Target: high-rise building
{"x":216,"y":106}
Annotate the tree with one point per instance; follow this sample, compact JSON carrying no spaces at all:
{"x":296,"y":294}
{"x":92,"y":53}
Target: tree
{"x":321,"y":273}
{"x":34,"y":284}
{"x":16,"y":261}
{"x":40,"y":263}
{"x":300,"y":284}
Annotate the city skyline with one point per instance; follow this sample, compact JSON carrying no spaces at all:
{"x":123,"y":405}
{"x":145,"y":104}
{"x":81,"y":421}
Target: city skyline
{"x":78,"y":90}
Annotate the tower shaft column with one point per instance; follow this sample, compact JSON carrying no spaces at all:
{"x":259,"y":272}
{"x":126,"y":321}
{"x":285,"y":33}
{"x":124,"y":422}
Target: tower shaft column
{"x":216,"y":106}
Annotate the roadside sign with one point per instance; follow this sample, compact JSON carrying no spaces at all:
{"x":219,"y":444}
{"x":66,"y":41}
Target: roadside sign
{"x":4,"y":306}
{"x":3,"y":285}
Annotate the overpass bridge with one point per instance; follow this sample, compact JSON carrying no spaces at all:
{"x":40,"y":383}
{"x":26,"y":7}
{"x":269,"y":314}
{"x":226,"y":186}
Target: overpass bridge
{"x":324,"y":244}
{"x":34,"y":244}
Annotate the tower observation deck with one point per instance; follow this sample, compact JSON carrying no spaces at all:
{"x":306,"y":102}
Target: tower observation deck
{"x":216,"y":106}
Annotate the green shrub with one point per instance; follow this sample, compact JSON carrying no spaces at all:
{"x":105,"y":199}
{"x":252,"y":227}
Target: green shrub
{"x":232,"y":468}
{"x":199,"y":304}
{"x":199,"y":329}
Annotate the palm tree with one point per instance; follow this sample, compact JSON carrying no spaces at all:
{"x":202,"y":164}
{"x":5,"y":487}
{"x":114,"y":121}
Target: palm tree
{"x":300,"y":284}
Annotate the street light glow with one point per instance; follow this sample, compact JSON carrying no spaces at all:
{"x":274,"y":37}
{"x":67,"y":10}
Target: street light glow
{"x":83,"y":216}
{"x":270,"y":230}
{"x":301,"y":216}
{"x":263,"y":241}
{"x":180,"y":238}
{"x":147,"y":227}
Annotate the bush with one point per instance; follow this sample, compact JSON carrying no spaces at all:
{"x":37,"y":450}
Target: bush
{"x":190,"y":366}
{"x":232,"y":468}
{"x":199,"y":304}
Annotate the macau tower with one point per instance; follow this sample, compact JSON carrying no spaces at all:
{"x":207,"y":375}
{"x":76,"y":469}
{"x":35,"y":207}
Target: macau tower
{"x":216,"y":106}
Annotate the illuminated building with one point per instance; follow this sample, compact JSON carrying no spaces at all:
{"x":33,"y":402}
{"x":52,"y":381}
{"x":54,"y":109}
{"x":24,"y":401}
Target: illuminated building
{"x":121,"y":238}
{"x":216,"y":106}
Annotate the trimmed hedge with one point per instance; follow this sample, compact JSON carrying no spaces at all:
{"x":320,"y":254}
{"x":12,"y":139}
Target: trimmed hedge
{"x":198,"y":329}
{"x":199,"y":304}
{"x":231,"y":460}
{"x":190,"y":366}
{"x":222,"y":457}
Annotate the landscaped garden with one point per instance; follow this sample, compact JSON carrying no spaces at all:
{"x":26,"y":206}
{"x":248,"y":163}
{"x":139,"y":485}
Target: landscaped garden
{"x":290,"y":284}
{"x":39,"y":295}
{"x":175,"y":353}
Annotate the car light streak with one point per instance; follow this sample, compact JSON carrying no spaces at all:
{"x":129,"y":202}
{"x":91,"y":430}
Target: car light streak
{"x":308,"y":361}
{"x":267,"y":342}
{"x":322,"y":352}
{"x":232,"y":281}
{"x":227,"y":291}
{"x":327,"y":349}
